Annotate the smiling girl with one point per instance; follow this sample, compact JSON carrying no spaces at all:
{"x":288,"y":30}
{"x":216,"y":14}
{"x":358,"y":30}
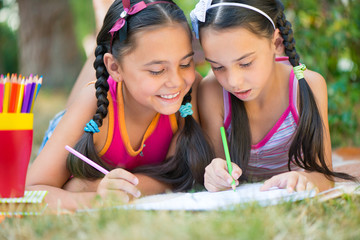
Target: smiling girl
{"x":133,"y":127}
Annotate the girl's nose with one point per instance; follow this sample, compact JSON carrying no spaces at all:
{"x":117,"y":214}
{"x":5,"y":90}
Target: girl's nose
{"x":234,"y":79}
{"x":175,"y":80}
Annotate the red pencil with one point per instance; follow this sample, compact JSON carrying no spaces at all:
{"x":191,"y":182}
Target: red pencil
{"x":14,"y":94}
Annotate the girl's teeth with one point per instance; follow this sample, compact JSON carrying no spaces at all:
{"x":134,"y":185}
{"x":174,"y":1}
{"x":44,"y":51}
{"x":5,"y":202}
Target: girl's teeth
{"x":170,"y":96}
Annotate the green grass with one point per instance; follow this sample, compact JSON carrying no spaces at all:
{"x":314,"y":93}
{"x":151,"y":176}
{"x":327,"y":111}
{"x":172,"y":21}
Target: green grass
{"x":311,"y":219}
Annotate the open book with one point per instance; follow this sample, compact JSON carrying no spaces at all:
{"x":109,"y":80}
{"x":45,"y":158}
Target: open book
{"x":201,"y":201}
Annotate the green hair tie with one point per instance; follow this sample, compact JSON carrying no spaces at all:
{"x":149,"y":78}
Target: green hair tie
{"x":299,"y":71}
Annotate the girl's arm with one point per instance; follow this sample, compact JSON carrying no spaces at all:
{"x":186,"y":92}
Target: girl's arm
{"x":304,"y":180}
{"x":211,"y":110}
{"x":49,"y":172}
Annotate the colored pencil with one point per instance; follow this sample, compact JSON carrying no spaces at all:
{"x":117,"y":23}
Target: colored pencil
{"x":85,"y":159}
{"x":6,"y":95}
{"x":31,"y":96}
{"x":1,"y":92}
{"x":36,"y":91}
{"x":26,"y":96}
{"x":17,"y":93}
{"x":39,"y":86}
{"x":21,"y":96}
{"x":13,"y":95}
{"x":227,"y":155}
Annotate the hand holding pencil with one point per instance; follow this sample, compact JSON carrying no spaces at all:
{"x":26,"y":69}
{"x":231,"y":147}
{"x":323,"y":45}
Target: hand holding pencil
{"x":227,"y":156}
{"x":118,"y":182}
{"x":220,"y":174}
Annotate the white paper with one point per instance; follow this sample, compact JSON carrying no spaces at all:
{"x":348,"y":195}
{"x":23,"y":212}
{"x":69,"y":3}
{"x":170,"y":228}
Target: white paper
{"x":201,"y":201}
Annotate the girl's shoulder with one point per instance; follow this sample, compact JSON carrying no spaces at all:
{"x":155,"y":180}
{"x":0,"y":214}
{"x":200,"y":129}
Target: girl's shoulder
{"x":209,"y":86}
{"x":318,"y":87}
{"x":315,"y":80}
{"x":210,"y":97}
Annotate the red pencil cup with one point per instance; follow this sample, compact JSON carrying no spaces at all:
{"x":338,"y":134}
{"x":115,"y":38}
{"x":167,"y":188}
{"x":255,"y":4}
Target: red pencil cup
{"x":16,"y":136}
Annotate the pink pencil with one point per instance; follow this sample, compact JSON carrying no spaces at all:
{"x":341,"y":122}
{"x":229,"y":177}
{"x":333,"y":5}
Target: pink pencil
{"x":85,"y":159}
{"x":1,"y":93}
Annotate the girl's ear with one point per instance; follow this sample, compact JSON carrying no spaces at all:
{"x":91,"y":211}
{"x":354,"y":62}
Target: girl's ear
{"x":113,"y":67}
{"x":278,"y":43}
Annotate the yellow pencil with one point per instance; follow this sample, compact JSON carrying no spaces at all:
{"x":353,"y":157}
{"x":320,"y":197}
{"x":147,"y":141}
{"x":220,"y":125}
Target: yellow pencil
{"x":21,"y":96}
{"x":6,"y":95}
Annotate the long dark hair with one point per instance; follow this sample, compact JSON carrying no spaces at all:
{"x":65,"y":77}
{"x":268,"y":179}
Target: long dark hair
{"x":306,"y":149}
{"x":192,"y":152}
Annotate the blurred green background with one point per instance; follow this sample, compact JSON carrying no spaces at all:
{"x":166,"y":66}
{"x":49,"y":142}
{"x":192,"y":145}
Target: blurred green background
{"x":327,"y":35}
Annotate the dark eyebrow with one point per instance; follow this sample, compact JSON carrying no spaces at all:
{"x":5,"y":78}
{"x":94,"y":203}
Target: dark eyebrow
{"x":236,"y":60}
{"x":162,"y":62}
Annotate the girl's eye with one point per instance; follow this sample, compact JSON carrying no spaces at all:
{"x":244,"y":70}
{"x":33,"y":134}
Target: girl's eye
{"x":186,"y":65}
{"x":217,"y":68}
{"x":245,"y":65}
{"x":155,"y":73}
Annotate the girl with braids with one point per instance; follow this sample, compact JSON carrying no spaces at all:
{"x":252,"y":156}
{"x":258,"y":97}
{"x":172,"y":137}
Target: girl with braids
{"x":133,"y":125}
{"x":275,"y":114}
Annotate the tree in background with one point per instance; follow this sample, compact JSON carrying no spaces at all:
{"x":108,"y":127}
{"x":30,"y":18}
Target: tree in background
{"x":48,"y":43}
{"x":8,"y":38}
{"x":327,"y":37}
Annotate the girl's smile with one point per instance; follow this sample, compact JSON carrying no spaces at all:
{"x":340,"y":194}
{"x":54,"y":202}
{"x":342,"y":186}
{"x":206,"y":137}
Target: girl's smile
{"x":170,"y":97}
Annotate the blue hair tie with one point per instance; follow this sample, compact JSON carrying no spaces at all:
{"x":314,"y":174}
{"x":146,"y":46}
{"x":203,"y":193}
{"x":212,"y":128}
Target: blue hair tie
{"x":185,"y":110}
{"x":92,"y":127}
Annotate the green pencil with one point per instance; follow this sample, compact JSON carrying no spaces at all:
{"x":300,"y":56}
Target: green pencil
{"x":227,"y":155}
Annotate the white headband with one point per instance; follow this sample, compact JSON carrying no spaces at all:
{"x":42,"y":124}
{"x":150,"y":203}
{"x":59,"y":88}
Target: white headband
{"x":199,"y":12}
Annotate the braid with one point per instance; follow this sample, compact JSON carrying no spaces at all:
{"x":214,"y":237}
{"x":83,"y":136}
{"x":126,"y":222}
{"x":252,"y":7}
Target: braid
{"x":101,"y":85}
{"x":77,"y":167}
{"x":187,"y":97}
{"x":288,"y":36}
{"x":310,"y":133}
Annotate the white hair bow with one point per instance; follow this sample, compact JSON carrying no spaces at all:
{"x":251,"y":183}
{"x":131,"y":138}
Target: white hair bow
{"x":199,"y":14}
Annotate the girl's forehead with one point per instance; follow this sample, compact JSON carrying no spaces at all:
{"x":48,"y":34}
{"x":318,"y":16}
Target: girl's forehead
{"x":232,"y":38}
{"x":165,"y":42}
{"x":230,"y":44}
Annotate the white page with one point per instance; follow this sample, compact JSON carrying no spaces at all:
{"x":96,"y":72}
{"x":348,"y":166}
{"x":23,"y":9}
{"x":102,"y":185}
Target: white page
{"x":245,"y":193}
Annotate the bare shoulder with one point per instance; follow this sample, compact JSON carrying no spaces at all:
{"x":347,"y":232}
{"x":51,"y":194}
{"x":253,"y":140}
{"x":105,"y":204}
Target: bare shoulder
{"x":210,"y":100}
{"x":317,"y":84}
{"x":314,"y":79}
{"x":210,"y":91}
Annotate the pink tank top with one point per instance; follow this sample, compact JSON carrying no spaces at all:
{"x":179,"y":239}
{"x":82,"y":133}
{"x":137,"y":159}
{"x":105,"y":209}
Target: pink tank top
{"x":118,"y":151}
{"x":269,"y":157}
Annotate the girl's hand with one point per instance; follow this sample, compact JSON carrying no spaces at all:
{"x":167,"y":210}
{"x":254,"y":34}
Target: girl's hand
{"x":292,"y":181}
{"x":217,"y":176}
{"x":120,"y":183}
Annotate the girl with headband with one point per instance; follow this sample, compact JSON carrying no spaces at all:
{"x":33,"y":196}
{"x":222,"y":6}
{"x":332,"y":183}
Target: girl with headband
{"x":274,"y":111}
{"x":138,"y":117}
